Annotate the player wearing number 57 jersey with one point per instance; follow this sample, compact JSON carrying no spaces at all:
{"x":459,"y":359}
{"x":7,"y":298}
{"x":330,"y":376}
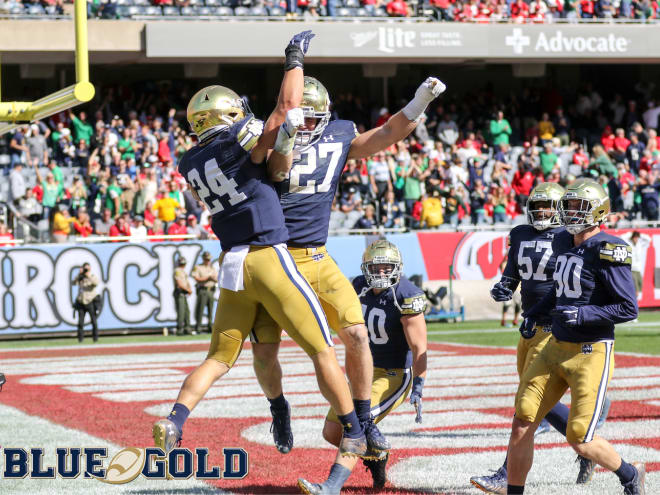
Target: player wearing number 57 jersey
{"x":531,"y":263}
{"x":393,"y":308}
{"x":226,"y":171}
{"x":320,"y":154}
{"x":593,"y":290}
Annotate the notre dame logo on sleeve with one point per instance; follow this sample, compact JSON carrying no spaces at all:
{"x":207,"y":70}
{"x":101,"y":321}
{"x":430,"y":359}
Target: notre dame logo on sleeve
{"x":413,"y":305}
{"x":616,"y":253}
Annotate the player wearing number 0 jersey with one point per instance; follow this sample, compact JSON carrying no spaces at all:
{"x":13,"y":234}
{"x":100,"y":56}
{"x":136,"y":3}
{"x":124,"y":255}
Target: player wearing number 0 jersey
{"x":593,"y":290}
{"x":320,"y":154}
{"x":531,"y":263}
{"x":393,"y":308}
{"x":226,"y":170}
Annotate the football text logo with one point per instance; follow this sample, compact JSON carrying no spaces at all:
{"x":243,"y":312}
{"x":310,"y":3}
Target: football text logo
{"x":125,"y":466}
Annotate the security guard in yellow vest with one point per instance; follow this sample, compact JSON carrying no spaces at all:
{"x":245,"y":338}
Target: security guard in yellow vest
{"x":207,"y":278}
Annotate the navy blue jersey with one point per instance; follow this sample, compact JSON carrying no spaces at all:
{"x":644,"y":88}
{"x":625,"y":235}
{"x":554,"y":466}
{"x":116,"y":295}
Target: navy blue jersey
{"x":306,"y":195}
{"x":241,"y":199}
{"x":382,"y":316}
{"x":530,"y":262}
{"x":596,"y":278}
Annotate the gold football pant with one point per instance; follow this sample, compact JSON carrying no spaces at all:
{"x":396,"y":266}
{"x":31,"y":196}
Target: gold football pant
{"x":338,"y":298}
{"x":584,"y":367}
{"x":271,"y":280}
{"x":528,"y":349}
{"x":389,"y":390}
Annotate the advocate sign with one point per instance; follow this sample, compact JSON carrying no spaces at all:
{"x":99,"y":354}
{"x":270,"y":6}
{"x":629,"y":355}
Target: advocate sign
{"x":407,"y":41}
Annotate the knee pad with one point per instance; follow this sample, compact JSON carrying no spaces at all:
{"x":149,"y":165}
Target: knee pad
{"x":226,"y":346}
{"x":526,"y":409}
{"x":576,"y":432}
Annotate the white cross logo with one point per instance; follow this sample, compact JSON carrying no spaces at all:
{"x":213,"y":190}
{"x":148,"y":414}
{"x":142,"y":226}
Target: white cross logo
{"x":517,"y":40}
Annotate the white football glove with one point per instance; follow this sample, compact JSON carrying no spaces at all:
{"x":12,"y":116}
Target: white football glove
{"x":427,"y":91}
{"x":294,"y":119}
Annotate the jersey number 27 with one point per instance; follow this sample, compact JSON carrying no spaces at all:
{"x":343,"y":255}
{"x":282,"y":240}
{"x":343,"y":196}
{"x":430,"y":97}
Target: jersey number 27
{"x":218,"y":186}
{"x":308,"y":168}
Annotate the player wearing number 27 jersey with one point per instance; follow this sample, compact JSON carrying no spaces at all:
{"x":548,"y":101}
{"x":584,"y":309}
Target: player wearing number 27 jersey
{"x":227,"y":171}
{"x":306,"y":194}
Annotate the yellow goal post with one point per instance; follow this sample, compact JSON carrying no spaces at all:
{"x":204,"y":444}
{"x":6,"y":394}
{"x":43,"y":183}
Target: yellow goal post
{"x":16,"y":113}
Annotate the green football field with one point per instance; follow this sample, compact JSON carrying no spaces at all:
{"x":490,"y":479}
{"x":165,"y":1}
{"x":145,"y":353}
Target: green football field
{"x":642,"y":337}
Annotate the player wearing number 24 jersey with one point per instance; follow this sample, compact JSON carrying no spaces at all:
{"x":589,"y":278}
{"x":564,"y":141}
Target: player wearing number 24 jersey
{"x":226,"y":170}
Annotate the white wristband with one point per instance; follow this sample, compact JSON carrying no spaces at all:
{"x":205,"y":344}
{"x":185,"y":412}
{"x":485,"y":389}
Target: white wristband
{"x":415,"y":108}
{"x":284,"y":143}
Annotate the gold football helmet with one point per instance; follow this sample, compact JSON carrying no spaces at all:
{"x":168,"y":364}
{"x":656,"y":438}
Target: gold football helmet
{"x":315,"y":105}
{"x":214,"y":108}
{"x":543,"y":205}
{"x":382,"y":264}
{"x":584,"y":204}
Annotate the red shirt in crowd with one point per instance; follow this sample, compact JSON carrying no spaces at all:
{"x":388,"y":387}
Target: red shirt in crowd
{"x":8,"y":236}
{"x":115,"y":231}
{"x":607,"y":139}
{"x":621,"y":143}
{"x":580,"y":158}
{"x":519,"y":9}
{"x":83,"y":230}
{"x":397,"y":8}
{"x":176,"y":229}
{"x":512,"y":209}
{"x":587,"y":6}
{"x":522,"y":182}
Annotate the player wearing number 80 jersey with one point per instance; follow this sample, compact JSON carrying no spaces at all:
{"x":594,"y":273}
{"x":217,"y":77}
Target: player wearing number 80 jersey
{"x":593,"y":290}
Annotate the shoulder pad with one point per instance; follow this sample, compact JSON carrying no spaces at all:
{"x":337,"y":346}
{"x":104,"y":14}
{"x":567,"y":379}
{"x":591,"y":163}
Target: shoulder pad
{"x":413,"y":305}
{"x":249,"y":133}
{"x":616,"y":253}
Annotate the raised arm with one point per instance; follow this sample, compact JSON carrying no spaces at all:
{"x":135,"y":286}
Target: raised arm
{"x":400,"y":125}
{"x":290,"y":94}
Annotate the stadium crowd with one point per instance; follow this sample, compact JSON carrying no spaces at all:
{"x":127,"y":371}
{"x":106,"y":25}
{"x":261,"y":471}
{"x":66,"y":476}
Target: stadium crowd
{"x":536,"y":11}
{"x":113,"y":172}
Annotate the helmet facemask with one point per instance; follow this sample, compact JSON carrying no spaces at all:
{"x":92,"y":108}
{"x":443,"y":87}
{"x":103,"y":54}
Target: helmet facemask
{"x":577,"y":214}
{"x":381,"y":272}
{"x":306,"y":137}
{"x":543,"y":214}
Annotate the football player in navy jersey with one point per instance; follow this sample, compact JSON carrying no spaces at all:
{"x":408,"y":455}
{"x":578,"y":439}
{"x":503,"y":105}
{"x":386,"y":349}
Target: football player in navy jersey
{"x":593,"y":290}
{"x":321,"y":150}
{"x":393,"y":308}
{"x":225,"y":170}
{"x":531,"y":264}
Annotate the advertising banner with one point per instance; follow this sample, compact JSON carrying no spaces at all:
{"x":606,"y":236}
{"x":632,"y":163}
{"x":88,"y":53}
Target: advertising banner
{"x":422,"y":41}
{"x":37,"y":285}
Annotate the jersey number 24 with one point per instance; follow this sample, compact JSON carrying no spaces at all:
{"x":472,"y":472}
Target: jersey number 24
{"x":218,"y":186}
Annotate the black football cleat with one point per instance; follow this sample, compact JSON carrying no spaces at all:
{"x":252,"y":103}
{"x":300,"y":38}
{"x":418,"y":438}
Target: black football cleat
{"x":637,"y":485}
{"x":378,"y":469}
{"x":281,"y":429}
{"x":587,"y":467}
